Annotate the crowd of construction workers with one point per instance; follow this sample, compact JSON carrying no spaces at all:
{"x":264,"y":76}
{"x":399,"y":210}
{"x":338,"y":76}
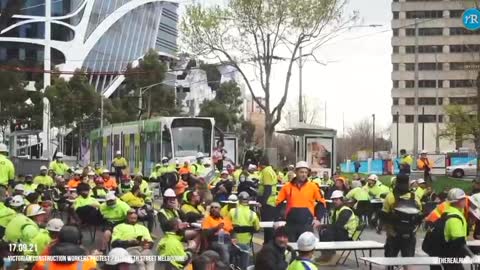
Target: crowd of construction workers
{"x":209,"y":220}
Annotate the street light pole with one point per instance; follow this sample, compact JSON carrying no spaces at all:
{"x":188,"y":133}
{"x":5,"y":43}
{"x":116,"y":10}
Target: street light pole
{"x":373,"y":138}
{"x":300,"y":89}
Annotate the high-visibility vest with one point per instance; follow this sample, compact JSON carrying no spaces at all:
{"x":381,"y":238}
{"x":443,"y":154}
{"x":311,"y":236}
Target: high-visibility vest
{"x":352,"y":223}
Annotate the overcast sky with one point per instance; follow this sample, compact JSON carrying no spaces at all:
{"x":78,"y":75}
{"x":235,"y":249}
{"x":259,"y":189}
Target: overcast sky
{"x":357,"y":81}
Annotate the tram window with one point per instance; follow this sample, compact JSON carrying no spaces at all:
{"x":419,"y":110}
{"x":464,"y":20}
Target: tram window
{"x":132,"y":152}
{"x":116,"y":143}
{"x":191,"y":140}
{"x":167,"y":142}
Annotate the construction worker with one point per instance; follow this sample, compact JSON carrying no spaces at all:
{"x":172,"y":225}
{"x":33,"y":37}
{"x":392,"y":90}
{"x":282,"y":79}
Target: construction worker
{"x":218,"y":231}
{"x":119,"y":259}
{"x":272,"y":255}
{"x":109,"y":182}
{"x":42,"y":240}
{"x":245,"y":223}
{"x":144,"y":187}
{"x":54,"y":226}
{"x":169,"y":209}
{"x":114,"y":212}
{"x":267,"y":195}
{"x":86,"y":207}
{"x":442,"y":208}
{"x":155,"y":174}
{"x":119,"y":164}
{"x":327,"y":180}
{"x":7,"y":170}
{"x":185,"y":168}
{"x":357,"y":193}
{"x":375,"y":188}
{"x":7,"y":213}
{"x":231,"y":204}
{"x":43,"y":178}
{"x":24,"y":228}
{"x":426,"y":165}
{"x":99,"y":191}
{"x":236,"y":174}
{"x":306,"y":247}
{"x":29,"y":186}
{"x":126,"y":184}
{"x":223,"y":188}
{"x":58,"y":166}
{"x":76,"y":180}
{"x":401,"y":214}
{"x":171,"y":246}
{"x":405,"y":163}
{"x":198,"y":169}
{"x":253,"y":173}
{"x":301,"y":196}
{"x":135,"y":238}
{"x":192,"y":207}
{"x":91,"y":179}
{"x":314,"y":178}
{"x":17,"y":203}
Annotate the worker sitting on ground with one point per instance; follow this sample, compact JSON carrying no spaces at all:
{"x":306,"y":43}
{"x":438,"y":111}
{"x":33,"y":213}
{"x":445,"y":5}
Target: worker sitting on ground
{"x":217,"y":231}
{"x":135,"y":238}
{"x":43,"y":178}
{"x":192,"y":208}
{"x":86,"y":207}
{"x":135,"y":199}
{"x":114,"y":212}
{"x":171,"y":246}
{"x":99,"y":191}
{"x":76,"y":180}
{"x":110,"y":182}
{"x":223,"y":187}
{"x":144,"y":187}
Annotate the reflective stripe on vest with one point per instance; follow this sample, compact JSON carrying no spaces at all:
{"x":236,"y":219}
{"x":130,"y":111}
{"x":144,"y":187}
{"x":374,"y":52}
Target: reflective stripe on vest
{"x":352,"y":222}
{"x":170,"y":214}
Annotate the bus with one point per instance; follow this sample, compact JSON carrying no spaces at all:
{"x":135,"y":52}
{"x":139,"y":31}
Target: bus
{"x":144,"y":143}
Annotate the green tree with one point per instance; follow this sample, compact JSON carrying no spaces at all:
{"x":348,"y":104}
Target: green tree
{"x":226,"y":107}
{"x":247,"y":132}
{"x":72,"y":101}
{"x":258,"y":32}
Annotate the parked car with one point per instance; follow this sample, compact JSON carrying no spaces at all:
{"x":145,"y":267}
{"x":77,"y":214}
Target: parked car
{"x":459,"y":171}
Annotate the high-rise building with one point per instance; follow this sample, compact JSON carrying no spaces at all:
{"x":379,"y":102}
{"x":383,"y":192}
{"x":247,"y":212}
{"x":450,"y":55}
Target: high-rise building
{"x":448,"y":62}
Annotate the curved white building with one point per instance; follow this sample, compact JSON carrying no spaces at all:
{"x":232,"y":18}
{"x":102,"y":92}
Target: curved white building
{"x":100,"y":36}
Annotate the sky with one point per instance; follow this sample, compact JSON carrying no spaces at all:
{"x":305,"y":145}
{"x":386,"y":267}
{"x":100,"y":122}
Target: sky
{"x":356,"y":82}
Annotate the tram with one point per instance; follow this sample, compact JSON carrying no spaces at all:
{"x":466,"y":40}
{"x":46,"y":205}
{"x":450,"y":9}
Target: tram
{"x":144,"y":143}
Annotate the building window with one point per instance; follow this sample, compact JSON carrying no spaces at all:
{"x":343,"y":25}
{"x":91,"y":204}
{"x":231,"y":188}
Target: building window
{"x":410,"y":49}
{"x":395,"y":118}
{"x":430,"y":31}
{"x":430,"y":66}
{"x":396,"y":84}
{"x":410,"y":66}
{"x":409,"y":84}
{"x":409,"y":101}
{"x":440,"y":84}
{"x":462,"y":100}
{"x":425,"y":14}
{"x":464,"y":65}
{"x":456,"y":13}
{"x":440,"y":101}
{"x":440,"y":118}
{"x":409,"y":118}
{"x":395,"y":49}
{"x":427,"y":118}
{"x":409,"y":32}
{"x":424,"y":49}
{"x":461,"y":83}
{"x":395,"y":66}
{"x":426,"y":101}
{"x":395,"y":101}
{"x":395,"y":15}
{"x":427,"y":84}
{"x":460,"y":31}
{"x":464,"y":48}
{"x":395,"y":32}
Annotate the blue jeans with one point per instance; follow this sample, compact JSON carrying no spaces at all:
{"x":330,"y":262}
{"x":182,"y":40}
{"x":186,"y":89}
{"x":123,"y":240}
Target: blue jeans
{"x":245,"y":255}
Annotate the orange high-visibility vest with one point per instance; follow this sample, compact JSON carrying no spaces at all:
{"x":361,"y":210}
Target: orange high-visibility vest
{"x":440,"y":209}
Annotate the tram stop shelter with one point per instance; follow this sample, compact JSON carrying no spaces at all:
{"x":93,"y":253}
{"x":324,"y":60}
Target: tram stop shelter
{"x":316,"y":145}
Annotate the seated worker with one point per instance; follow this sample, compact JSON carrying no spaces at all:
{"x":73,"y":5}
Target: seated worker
{"x":192,"y":209}
{"x":245,"y":224}
{"x":217,"y":231}
{"x":232,"y":203}
{"x":86,"y":207}
{"x":135,"y":238}
{"x":76,"y":180}
{"x":223,"y":188}
{"x":253,"y":173}
{"x":99,"y":191}
{"x":155,"y":175}
{"x":315,"y":178}
{"x":326,"y":180}
{"x":25,"y":228}
{"x":68,"y":244}
{"x":144,"y":187}
{"x":421,"y":189}
{"x":375,"y":188}
{"x":110,"y":182}
{"x":340,"y":185}
{"x":126,"y":184}
{"x":135,"y":199}
{"x":91,"y":179}
{"x":8,"y":213}
{"x":42,"y":240}
{"x":182,"y":184}
{"x":344,"y":223}
{"x":114,"y":212}
{"x":43,"y":178}
{"x":246,"y":184}
{"x":306,"y":247}
{"x":171,"y":246}
{"x":272,"y":255}
{"x":29,"y":186}
{"x":357,"y":193}
{"x":54,"y":226}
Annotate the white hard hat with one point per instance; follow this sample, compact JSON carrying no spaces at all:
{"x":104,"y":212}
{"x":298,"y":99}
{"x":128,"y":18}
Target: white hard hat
{"x":77,"y":172}
{"x":291,"y":166}
{"x":3,"y":147}
{"x":302,"y":164}
{"x":233,"y":198}
{"x":164,"y":159}
{"x":169,"y":193}
{"x":54,"y":225}
{"x":20,"y":187}
{"x":59,"y":155}
{"x":200,"y":155}
{"x":90,"y":173}
{"x":412,"y":182}
{"x":356,"y":184}
{"x":420,"y":181}
{"x":373,"y":177}
{"x":118,"y":256}
{"x":105,"y":171}
{"x":34,"y":210}
{"x":306,"y":241}
{"x":252,"y":167}
{"x":224,"y":172}
{"x":336,"y":194}
{"x":110,"y":196}
{"x":243,"y":196}
{"x":455,"y":194}
{"x":43,"y":168}
{"x":118,"y":152}
{"x":424,"y":152}
{"x":17,"y":201}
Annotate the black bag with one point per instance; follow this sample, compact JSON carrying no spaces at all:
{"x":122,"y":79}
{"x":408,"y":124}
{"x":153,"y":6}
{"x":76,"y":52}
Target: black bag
{"x":168,"y":180}
{"x":405,"y":224}
{"x":434,"y":242}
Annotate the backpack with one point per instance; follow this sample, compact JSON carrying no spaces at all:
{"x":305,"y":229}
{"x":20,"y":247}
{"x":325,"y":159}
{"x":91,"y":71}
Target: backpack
{"x":434,"y":242}
{"x":168,"y":180}
{"x":405,"y":223}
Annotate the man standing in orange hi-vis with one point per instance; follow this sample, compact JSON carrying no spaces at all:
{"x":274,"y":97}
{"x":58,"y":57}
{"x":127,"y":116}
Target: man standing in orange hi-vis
{"x":301,"y":214}
{"x":426,"y":165}
{"x":440,"y":210}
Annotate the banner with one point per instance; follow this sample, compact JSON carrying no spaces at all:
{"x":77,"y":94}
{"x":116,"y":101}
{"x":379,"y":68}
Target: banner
{"x":319,"y":153}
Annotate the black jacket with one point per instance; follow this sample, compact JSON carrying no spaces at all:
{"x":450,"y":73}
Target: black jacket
{"x":271,"y":257}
